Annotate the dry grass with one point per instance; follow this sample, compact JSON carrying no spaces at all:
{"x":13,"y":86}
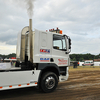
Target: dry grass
{"x":84,"y":68}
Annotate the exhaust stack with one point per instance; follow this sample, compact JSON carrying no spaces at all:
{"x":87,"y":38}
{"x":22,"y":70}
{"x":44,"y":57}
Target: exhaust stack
{"x":30,"y":41}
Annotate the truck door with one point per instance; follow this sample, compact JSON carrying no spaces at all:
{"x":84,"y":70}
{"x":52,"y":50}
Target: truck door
{"x":59,"y":49}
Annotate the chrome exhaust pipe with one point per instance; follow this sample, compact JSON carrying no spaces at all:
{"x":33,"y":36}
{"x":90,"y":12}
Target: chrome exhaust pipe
{"x":30,"y":41}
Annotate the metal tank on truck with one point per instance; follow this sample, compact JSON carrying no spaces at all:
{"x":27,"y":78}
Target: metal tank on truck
{"x":42,"y":60}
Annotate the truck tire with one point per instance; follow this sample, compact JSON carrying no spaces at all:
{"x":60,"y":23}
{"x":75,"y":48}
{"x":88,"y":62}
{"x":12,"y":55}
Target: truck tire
{"x":49,"y":82}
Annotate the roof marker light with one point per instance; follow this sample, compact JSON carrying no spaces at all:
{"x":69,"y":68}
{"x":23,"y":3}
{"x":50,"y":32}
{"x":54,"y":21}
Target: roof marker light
{"x":60,"y":31}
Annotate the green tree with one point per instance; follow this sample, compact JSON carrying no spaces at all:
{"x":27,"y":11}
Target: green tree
{"x":74,"y":59}
{"x":81,"y":59}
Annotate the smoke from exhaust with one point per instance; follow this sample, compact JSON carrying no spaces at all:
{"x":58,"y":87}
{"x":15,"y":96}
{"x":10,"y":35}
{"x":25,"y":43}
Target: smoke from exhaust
{"x":24,"y":4}
{"x":30,"y":6}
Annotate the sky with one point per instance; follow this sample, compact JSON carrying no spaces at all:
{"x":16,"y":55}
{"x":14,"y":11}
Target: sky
{"x":79,"y":19}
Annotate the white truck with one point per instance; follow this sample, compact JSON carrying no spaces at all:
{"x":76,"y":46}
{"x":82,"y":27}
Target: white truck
{"x":42,"y":60}
{"x":88,"y":63}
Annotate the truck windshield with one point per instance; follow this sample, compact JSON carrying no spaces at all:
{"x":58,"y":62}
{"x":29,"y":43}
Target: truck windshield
{"x":59,"y":42}
{"x":88,"y":62}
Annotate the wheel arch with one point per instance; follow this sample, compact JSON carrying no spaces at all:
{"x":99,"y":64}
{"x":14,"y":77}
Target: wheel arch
{"x":48,"y":68}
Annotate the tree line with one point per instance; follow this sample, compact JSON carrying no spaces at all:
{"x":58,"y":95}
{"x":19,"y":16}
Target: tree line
{"x":82,"y":57}
{"x":8,"y":56}
{"x":73,"y":57}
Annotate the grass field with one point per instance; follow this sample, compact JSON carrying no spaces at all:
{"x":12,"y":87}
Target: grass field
{"x":84,"y":68}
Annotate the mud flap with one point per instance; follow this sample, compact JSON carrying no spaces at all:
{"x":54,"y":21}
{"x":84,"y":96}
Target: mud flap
{"x":64,"y":78}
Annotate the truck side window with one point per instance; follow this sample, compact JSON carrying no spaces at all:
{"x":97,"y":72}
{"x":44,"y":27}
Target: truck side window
{"x":59,"y":42}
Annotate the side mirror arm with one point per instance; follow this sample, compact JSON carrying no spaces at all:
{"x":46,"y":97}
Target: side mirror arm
{"x":68,"y":44}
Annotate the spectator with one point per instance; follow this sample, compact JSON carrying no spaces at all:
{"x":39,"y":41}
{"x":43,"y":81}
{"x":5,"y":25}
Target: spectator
{"x":11,"y":62}
{"x":75,"y":64}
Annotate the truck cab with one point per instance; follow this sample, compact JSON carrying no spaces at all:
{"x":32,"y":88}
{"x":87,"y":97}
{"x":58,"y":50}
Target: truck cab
{"x":42,"y":59}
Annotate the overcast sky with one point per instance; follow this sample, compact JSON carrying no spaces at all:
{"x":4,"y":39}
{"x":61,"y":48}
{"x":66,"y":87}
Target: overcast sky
{"x":79,"y":19}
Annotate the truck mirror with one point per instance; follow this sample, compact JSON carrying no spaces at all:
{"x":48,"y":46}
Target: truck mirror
{"x":69,"y":43}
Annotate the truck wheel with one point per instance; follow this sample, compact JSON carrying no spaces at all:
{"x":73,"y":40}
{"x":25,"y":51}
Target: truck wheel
{"x":49,"y":82}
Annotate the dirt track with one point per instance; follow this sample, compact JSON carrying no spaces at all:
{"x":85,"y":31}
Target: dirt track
{"x":81,"y":85}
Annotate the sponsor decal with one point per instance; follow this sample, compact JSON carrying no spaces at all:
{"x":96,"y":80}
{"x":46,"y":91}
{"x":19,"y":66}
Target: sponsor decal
{"x":45,"y":50}
{"x":62,"y":61}
{"x":44,"y":59}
